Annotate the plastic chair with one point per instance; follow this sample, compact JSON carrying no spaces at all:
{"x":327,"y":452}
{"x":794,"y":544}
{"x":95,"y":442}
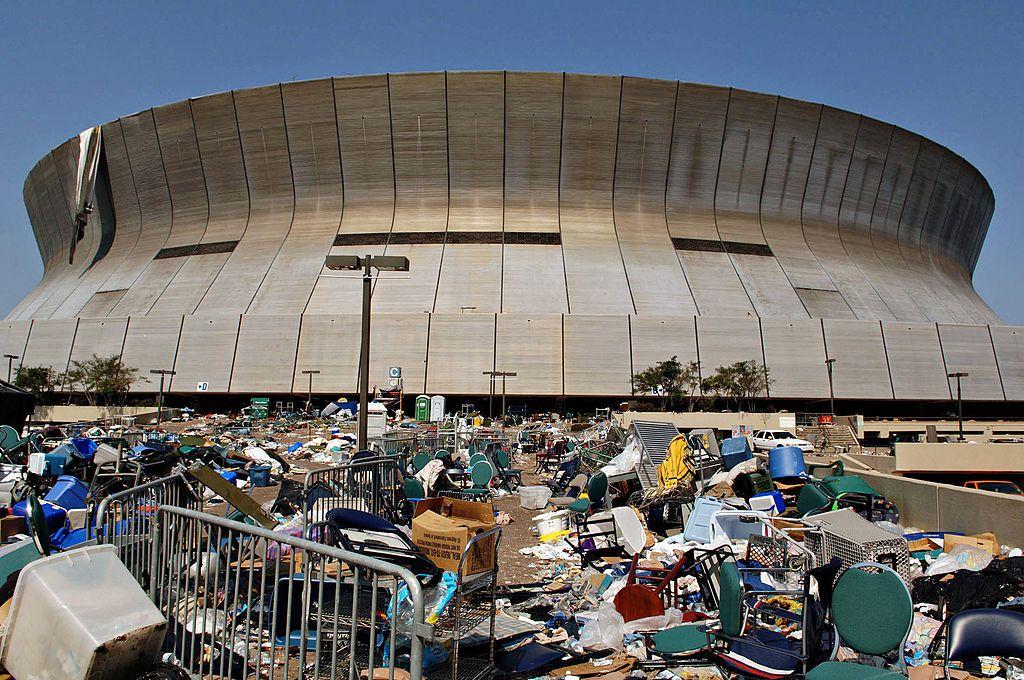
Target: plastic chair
{"x":476,"y":458}
{"x":508,"y":477}
{"x":481,"y":475}
{"x":597,"y":490}
{"x":984,"y":632}
{"x":420,"y":460}
{"x":873,"y":613}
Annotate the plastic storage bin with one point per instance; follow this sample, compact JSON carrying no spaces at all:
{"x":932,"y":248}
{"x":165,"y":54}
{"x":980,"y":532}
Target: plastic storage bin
{"x":786,"y":461}
{"x":735,"y":450}
{"x":69,"y":493}
{"x":259,"y":475}
{"x":80,"y":615}
{"x":534,"y":497}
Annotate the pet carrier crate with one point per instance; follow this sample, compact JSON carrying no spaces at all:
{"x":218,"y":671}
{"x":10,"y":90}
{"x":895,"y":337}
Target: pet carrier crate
{"x":846,"y":535}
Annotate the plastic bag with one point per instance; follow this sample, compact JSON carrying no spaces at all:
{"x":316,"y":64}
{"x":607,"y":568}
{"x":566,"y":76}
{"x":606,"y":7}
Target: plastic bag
{"x":960,"y":557}
{"x":605,"y":630}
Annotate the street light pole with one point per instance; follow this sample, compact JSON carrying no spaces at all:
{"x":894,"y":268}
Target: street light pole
{"x":162,"y":372}
{"x":10,"y":364}
{"x":502,"y":375}
{"x":366,"y":263}
{"x":309,"y":401}
{"x":959,"y":401}
{"x":831,"y":392}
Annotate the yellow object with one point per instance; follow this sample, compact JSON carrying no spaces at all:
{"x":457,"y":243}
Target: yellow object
{"x":676,"y":468}
{"x":554,"y":536}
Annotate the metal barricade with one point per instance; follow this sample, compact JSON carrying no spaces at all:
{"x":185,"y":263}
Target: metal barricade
{"x":373,"y":485}
{"x":124,"y":519}
{"x":245,"y":602}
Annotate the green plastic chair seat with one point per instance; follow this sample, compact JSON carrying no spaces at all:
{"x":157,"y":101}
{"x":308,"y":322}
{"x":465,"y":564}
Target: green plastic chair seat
{"x":811,"y":498}
{"x":685,"y":639}
{"x":838,"y":670}
{"x":475,"y":492}
{"x":579,"y":505}
{"x":730,"y":610}
{"x":419,"y":461}
{"x":481,"y":473}
{"x":412,"y":488}
{"x":872,"y":611}
{"x":849,"y":484}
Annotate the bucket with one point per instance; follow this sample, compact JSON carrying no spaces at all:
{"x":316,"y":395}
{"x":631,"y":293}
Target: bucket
{"x":259,"y":475}
{"x":534,"y":497}
{"x":550,"y":522}
{"x":786,"y":461}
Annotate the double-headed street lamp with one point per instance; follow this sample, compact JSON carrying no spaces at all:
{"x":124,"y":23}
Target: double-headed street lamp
{"x":366,"y":263}
{"x":10,"y":364}
{"x":163,"y":373}
{"x":490,"y":394}
{"x":959,"y":400}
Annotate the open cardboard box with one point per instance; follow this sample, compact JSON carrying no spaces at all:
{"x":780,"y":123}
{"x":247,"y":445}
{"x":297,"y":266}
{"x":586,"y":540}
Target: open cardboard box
{"x":443,"y":527}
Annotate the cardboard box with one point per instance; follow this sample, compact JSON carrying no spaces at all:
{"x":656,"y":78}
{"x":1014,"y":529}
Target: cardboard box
{"x":936,"y":673}
{"x":11,"y":525}
{"x":986,"y":542}
{"x":443,"y":527}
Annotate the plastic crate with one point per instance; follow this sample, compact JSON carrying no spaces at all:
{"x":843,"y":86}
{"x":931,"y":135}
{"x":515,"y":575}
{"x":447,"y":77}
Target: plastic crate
{"x":846,"y":535}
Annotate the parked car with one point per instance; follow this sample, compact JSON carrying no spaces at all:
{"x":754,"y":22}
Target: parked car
{"x":997,"y":485}
{"x":770,"y":439}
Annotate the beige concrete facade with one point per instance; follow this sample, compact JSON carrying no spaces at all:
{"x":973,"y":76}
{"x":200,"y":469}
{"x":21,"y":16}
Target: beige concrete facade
{"x":600,"y":222}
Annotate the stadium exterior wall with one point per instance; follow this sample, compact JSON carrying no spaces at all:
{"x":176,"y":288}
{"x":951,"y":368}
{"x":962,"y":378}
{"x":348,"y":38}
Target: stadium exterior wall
{"x":572,"y":228}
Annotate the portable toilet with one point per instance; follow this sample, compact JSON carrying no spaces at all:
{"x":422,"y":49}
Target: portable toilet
{"x":422,"y":409}
{"x":436,"y":408}
{"x":376,"y":420}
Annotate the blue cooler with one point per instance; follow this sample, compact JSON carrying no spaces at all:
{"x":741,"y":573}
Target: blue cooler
{"x":259,"y":475}
{"x":69,"y":493}
{"x":775,"y":497}
{"x":55,"y":516}
{"x":735,"y":450}
{"x":786,"y":461}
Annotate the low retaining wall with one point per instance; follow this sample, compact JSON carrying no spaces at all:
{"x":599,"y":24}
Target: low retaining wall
{"x":932,"y":506}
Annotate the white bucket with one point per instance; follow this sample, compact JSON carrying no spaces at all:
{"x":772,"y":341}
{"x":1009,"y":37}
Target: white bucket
{"x":550,"y":522}
{"x":534,"y":497}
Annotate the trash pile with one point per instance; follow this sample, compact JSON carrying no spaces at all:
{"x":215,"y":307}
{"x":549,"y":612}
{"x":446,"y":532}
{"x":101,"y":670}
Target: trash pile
{"x":737,"y":565}
{"x":273,"y":548}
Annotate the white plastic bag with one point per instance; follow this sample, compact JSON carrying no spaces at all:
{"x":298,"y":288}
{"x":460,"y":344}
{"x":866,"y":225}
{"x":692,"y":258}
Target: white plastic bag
{"x":605,"y":630}
{"x":960,"y":557}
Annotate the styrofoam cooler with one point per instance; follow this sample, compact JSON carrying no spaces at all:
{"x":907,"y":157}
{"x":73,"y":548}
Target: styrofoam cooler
{"x":80,"y":615}
{"x":534,"y":497}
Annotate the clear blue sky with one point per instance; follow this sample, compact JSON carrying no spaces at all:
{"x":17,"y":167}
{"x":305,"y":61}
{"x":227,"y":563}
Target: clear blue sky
{"x":950,"y":71}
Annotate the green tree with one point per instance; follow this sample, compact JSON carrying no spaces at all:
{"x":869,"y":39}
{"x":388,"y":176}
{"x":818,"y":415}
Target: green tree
{"x":669,"y":381}
{"x":101,"y":379}
{"x":39,"y":380}
{"x":741,"y":383}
